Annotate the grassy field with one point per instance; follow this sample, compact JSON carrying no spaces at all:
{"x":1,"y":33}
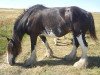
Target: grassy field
{"x":7,"y":18}
{"x":46,"y":66}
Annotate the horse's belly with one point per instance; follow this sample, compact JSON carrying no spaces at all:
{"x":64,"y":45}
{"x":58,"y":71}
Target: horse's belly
{"x":49,"y":34}
{"x":54,"y":34}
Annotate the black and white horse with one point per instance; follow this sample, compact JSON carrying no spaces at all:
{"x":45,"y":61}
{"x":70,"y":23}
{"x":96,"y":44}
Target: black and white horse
{"x":39,"y":21}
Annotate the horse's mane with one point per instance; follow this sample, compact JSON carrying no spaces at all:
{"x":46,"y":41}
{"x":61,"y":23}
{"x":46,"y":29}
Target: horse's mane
{"x":23,"y":18}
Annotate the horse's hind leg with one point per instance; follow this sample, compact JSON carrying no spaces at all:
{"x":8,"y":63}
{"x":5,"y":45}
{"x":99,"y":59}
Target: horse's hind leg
{"x":73,"y":52}
{"x":32,"y":59}
{"x":83,"y":60}
{"x":56,"y":41}
{"x":49,"y":52}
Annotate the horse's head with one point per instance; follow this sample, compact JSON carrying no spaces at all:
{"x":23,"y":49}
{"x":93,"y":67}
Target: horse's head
{"x":14,"y":49}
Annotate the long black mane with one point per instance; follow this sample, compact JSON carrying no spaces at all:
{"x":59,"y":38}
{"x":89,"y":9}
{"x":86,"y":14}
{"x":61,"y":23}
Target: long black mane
{"x":21,"y":22}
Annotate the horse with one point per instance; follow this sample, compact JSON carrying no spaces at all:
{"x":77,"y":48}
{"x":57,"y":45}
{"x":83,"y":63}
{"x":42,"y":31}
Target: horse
{"x":43,"y":21}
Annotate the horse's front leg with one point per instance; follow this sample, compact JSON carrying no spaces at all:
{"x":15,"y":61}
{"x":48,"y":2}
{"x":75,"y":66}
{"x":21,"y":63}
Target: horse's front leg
{"x":82,"y":63}
{"x":73,"y":52}
{"x":32,"y":59}
{"x":49,"y":52}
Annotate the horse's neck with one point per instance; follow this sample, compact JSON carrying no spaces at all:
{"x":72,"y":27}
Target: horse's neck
{"x":17,"y":37}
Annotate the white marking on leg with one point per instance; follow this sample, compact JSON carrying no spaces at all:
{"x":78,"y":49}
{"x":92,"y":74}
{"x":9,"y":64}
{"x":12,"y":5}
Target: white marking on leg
{"x":84,"y":48}
{"x":83,"y":61}
{"x":9,"y":57}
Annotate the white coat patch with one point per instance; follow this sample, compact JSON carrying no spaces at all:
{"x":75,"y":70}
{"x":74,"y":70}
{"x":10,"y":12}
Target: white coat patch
{"x":9,"y":57}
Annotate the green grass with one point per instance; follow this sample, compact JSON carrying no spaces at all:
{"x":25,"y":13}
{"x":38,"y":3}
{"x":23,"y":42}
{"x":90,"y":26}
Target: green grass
{"x":47,"y":66}
{"x":5,"y":31}
{"x":7,"y":18}
{"x":2,"y":45}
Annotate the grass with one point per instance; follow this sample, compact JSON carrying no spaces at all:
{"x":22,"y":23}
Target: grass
{"x":7,"y":19}
{"x":47,"y":66}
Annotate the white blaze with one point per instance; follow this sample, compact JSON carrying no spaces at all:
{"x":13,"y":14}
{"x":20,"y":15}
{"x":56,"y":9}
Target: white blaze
{"x":9,"y":57}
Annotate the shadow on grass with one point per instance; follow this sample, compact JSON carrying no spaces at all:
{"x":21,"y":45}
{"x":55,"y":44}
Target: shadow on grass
{"x":92,"y":62}
{"x":54,"y":62}
{"x":63,"y":44}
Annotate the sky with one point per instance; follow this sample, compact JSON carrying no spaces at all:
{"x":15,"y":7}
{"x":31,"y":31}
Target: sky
{"x":89,"y":5}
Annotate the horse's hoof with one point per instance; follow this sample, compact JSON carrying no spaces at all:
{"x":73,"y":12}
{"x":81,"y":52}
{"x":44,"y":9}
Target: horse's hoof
{"x":82,"y":63}
{"x":29,"y":63}
{"x":11,"y":62}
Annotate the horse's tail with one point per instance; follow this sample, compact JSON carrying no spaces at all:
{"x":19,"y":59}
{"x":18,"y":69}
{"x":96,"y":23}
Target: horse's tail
{"x":92,"y":27}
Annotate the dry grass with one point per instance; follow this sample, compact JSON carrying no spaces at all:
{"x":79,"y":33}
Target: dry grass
{"x":55,"y":66}
{"x":7,"y":19}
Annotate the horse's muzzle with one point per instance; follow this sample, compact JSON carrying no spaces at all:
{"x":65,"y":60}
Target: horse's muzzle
{"x":10,"y":59}
{"x":12,"y":62}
